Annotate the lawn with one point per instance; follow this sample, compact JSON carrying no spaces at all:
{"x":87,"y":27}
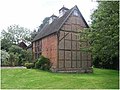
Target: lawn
{"x":37,"y":79}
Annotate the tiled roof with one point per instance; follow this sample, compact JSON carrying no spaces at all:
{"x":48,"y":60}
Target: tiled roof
{"x":55,"y":25}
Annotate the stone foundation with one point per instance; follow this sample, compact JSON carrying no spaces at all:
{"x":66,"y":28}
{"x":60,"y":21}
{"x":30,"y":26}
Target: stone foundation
{"x":73,"y":70}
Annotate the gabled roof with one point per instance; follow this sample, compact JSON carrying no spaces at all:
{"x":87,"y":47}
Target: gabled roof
{"x":22,"y":45}
{"x":56,"y":25}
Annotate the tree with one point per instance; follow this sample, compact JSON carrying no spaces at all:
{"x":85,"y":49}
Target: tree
{"x":19,"y":56}
{"x":5,"y":44}
{"x":15,"y":34}
{"x":44,"y":22}
{"x":33,"y":34}
{"x":104,"y":35}
{"x":14,"y":59}
{"x":16,"y":55}
{"x":15,"y":49}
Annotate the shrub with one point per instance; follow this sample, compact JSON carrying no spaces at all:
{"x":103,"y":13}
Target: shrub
{"x":23,"y":55}
{"x":42,"y":63}
{"x":14,"y":58}
{"x":29,"y":65}
{"x":4,"y":58}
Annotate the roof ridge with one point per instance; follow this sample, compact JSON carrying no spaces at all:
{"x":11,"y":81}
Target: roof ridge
{"x":66,"y":17}
{"x":59,"y":21}
{"x":82,"y":16}
{"x":57,"y":24}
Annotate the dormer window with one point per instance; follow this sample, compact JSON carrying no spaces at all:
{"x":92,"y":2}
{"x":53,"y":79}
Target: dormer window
{"x":75,"y":13}
{"x":52,"y":18}
{"x":62,"y":11}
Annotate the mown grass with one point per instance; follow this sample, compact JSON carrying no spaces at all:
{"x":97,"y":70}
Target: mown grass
{"x":37,"y":79}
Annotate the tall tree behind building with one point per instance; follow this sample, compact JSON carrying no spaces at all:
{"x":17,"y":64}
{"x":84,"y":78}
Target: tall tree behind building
{"x":104,"y":35}
{"x":44,"y":22}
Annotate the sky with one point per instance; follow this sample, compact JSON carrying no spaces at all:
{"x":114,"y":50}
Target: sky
{"x":30,"y":13}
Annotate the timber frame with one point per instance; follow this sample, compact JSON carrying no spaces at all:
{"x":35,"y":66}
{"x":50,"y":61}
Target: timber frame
{"x":60,"y":42}
{"x":69,"y":53}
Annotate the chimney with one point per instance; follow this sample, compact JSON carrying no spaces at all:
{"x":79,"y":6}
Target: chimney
{"x":52,"y":18}
{"x":62,"y":11}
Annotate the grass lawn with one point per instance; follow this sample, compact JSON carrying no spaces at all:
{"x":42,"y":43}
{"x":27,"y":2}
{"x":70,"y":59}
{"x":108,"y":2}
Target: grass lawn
{"x":37,"y":79}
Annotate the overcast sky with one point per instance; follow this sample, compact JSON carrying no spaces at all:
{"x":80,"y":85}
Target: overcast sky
{"x":30,"y":13}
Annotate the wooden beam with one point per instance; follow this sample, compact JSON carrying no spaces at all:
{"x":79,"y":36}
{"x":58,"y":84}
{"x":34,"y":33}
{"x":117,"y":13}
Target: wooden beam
{"x":72,"y":40}
{"x":58,"y":33}
{"x":69,"y":50}
{"x":64,"y":36}
{"x":71,"y":47}
{"x":64,"y":50}
{"x":70,"y":31}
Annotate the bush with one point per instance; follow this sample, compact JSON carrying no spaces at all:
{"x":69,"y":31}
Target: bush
{"x":22,"y":55}
{"x":42,"y":63}
{"x":5,"y":58}
{"x":14,"y":58}
{"x":29,"y":65}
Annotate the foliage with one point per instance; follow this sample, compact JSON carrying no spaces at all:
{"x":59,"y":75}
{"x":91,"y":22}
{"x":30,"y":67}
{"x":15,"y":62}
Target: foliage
{"x":16,"y":52}
{"x":33,"y":34}
{"x":5,"y":44}
{"x":14,"y":59}
{"x":28,"y":56}
{"x":84,"y":40}
{"x":4,"y":57}
{"x":23,"y":55}
{"x":15,"y":34}
{"x":38,"y":79}
{"x":103,"y":35}
{"x":44,"y":22}
{"x":42,"y":63}
{"x":16,"y":56}
{"x":15,"y":49}
{"x":29,"y":65}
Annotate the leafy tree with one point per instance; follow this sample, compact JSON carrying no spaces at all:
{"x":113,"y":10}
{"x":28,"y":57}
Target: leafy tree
{"x":23,"y":55}
{"x":33,"y":34}
{"x":44,"y":22}
{"x":15,"y":49}
{"x":15,"y":52}
{"x":104,"y":35}
{"x":15,"y":34}
{"x":14,"y":59}
{"x":5,"y":44}
{"x":29,"y":56}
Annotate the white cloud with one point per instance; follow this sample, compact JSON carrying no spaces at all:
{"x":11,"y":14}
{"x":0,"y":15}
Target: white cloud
{"x":30,"y":13}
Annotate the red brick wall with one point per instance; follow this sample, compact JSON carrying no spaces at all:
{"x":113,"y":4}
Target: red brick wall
{"x":49,"y":49}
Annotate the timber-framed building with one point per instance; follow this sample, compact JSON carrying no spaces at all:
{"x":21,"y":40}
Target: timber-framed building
{"x":59,"y":41}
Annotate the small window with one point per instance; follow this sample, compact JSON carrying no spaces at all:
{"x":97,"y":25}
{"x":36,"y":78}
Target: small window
{"x":75,"y":13}
{"x":50,"y":20}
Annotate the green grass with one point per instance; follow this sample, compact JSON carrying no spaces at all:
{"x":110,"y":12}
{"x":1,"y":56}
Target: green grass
{"x":36,"y":79}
